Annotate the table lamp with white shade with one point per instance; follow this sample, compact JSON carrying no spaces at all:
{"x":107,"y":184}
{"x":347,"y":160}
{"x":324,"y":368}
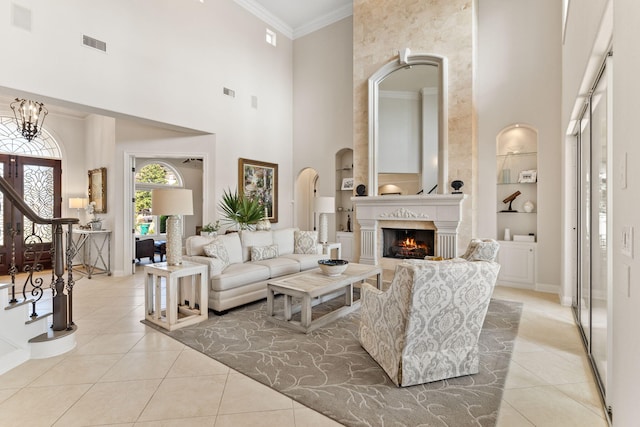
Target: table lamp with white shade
{"x":78,"y":203}
{"x":324,"y":206}
{"x":172,"y":202}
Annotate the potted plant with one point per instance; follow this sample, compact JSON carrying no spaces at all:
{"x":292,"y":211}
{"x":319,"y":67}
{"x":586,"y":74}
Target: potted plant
{"x":210,"y":230}
{"x":242,"y":212}
{"x":95,"y":222}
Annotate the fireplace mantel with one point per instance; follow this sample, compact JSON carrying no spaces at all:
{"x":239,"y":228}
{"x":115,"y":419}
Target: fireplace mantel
{"x":444,"y":210}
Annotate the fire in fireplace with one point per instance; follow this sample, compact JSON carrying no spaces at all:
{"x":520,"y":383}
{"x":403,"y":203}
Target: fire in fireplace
{"x":406,"y":243}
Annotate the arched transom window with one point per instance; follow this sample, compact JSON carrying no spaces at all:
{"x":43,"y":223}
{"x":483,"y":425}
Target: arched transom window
{"x":12,"y":141}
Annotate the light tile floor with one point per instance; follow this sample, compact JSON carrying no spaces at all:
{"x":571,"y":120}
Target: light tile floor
{"x":124,"y":373}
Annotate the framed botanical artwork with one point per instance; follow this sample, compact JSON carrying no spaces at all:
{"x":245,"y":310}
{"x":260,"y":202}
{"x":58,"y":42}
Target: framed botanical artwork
{"x":260,"y":180}
{"x":347,"y":184}
{"x":528,"y":176}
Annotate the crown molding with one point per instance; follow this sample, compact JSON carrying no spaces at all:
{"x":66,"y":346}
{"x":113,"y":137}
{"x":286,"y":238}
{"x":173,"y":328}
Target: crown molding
{"x":279,"y":25}
{"x":263,"y":14}
{"x":323,"y":21}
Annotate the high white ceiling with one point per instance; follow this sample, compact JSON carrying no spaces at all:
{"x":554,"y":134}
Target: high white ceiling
{"x":296,"y":18}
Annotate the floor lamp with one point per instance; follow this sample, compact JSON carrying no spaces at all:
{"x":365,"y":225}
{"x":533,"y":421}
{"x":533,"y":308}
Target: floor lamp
{"x":172,"y":202}
{"x":324,"y":206}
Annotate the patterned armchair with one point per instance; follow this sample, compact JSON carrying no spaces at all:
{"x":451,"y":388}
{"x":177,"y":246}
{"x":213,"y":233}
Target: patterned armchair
{"x":426,"y":326}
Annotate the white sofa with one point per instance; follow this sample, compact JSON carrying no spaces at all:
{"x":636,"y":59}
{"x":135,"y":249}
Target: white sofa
{"x":241,"y":264}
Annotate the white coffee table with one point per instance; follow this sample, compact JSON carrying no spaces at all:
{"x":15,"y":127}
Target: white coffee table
{"x":307,"y":285}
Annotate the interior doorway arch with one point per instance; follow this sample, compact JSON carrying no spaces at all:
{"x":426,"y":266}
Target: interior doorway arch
{"x":305,"y":191}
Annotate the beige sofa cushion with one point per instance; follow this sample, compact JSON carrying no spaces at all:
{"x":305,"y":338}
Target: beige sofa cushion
{"x":254,"y":238}
{"x":280,"y":266}
{"x":239,"y":274}
{"x":258,"y":253}
{"x":284,"y":239}
{"x":306,"y":261}
{"x":194,"y":245}
{"x":305,"y":242}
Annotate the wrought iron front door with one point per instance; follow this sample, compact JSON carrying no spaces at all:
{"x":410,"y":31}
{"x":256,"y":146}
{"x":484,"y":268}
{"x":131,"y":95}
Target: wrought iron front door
{"x":38,"y":181}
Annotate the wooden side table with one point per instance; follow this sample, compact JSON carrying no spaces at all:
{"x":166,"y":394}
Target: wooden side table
{"x":184,"y":291}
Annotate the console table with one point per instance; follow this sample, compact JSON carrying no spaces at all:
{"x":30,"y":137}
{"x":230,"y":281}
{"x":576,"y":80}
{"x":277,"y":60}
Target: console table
{"x":185,"y":294}
{"x":91,"y":245}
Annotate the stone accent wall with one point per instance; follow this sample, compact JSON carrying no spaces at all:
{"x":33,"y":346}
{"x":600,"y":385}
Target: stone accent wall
{"x":444,"y":27}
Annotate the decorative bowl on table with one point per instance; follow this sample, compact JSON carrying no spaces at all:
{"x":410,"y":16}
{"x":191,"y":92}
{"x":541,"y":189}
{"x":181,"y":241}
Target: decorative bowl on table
{"x":333,"y":267}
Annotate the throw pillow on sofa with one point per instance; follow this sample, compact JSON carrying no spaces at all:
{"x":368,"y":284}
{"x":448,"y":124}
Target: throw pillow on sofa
{"x":258,"y":253}
{"x":305,"y":242}
{"x":218,"y":250}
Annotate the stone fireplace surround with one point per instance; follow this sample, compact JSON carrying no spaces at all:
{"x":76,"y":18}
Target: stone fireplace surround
{"x":439,"y":212}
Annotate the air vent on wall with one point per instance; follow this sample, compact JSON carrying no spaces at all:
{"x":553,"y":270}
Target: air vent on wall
{"x":21,"y":17}
{"x":94,"y":43}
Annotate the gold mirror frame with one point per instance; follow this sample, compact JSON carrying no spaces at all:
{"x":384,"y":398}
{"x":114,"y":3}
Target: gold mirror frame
{"x":98,"y":189}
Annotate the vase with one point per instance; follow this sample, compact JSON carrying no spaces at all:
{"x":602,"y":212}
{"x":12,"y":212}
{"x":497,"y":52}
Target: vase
{"x":263,"y":225}
{"x":96,"y":226}
{"x":528,"y":206}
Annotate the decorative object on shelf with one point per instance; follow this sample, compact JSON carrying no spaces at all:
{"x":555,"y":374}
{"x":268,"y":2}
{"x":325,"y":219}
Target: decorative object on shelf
{"x":323,"y":206}
{"x":259,"y":181}
{"x":29,"y":117}
{"x":457,"y":185}
{"x":348,"y":223}
{"x":361,"y":190}
{"x":510,"y":200}
{"x":347,"y":184}
{"x":507,"y":234}
{"x":98,"y":189}
{"x":528,"y":206}
{"x":528,"y":176}
{"x":243,"y":213}
{"x":264,"y":224}
{"x":78,"y":203}
{"x":210,"y":230}
{"x":333,"y":267}
{"x":504,"y":170}
{"x":95,"y":223}
{"x":173,"y":202}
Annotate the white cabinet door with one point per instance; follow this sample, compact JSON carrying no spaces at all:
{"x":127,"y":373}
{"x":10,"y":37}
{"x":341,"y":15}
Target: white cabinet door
{"x":517,"y":264}
{"x":346,"y":240}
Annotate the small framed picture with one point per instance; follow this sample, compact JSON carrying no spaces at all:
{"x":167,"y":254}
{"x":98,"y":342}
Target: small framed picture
{"x":347,"y":184}
{"x":528,"y":176}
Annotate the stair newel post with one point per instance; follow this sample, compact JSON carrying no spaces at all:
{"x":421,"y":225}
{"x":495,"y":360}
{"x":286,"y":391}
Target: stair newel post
{"x":70,"y":282}
{"x":60,"y":298}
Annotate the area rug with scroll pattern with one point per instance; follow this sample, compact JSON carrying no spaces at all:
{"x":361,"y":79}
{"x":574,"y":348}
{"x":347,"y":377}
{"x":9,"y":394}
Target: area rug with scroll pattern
{"x":328,"y":371}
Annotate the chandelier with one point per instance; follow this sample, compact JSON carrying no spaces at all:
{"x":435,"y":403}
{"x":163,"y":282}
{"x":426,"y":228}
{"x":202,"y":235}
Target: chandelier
{"x":29,"y":117}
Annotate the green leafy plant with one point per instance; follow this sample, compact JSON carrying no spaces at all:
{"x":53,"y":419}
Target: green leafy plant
{"x":240,"y":211}
{"x":211,"y":227}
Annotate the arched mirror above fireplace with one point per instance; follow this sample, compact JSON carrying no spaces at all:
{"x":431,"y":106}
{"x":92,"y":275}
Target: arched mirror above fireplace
{"x":408,"y":126}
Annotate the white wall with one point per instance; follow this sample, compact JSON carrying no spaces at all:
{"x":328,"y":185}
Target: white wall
{"x":519,"y":81}
{"x":323,"y":102}
{"x":626,"y":316}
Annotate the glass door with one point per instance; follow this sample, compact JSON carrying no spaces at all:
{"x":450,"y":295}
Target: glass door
{"x":593,"y":287}
{"x":38,"y":182}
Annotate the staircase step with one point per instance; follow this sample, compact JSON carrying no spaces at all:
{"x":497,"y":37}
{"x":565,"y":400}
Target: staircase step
{"x":12,"y":305}
{"x":53,"y":343}
{"x":37,"y":318}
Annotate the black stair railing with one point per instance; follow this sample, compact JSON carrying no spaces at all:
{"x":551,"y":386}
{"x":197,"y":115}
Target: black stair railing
{"x":62,"y":301}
